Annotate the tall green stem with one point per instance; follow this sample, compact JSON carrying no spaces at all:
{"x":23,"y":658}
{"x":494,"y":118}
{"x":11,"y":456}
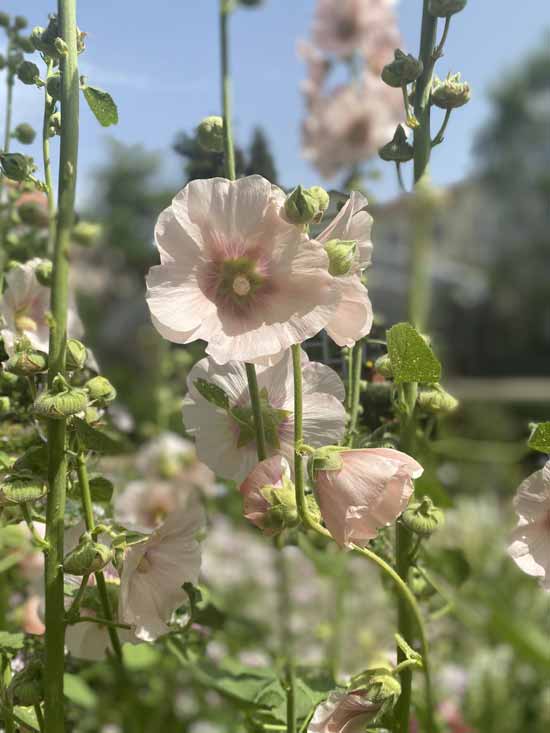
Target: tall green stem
{"x":299,"y":483}
{"x":57,"y":459}
{"x":286,"y":642}
{"x":48,"y":107}
{"x":355,"y":389}
{"x":9,"y":99}
{"x":84,"y":483}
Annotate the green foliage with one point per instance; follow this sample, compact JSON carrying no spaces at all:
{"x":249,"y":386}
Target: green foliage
{"x":101,"y":489}
{"x":78,"y":691}
{"x":412,"y":360}
{"x":99,"y":439}
{"x":102,"y":105}
{"x":450,"y":563}
{"x":212,"y":393}
{"x":11,"y":642}
{"x":140,"y":657}
{"x":540,"y":438}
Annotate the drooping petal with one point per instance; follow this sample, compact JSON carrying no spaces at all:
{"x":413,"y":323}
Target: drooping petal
{"x":353,"y":318}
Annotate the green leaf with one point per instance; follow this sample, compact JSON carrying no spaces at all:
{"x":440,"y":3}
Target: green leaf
{"x":139,"y":657}
{"x":101,"y":489}
{"x":11,"y":642}
{"x":22,"y":487}
{"x":102,"y":105}
{"x":450,"y":563}
{"x":234,"y":680}
{"x":12,"y":537}
{"x":6,"y":461}
{"x":101,"y":440}
{"x":203,"y":610}
{"x":78,"y":691}
{"x":540,"y":438}
{"x":27,"y":716}
{"x":34,"y":459}
{"x":412,"y":360}
{"x":212,"y":393}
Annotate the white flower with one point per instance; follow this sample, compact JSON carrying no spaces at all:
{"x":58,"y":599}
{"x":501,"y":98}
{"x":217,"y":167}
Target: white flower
{"x":530,"y":546}
{"x":155,"y":570}
{"x":169,"y":456}
{"x":143,"y":505}
{"x":225,"y":438}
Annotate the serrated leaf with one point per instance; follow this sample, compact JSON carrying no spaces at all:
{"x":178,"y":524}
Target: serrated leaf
{"x":212,"y":393}
{"x":138,"y":657}
{"x":101,"y":440}
{"x":101,"y":489}
{"x":19,"y":488}
{"x":11,"y":642}
{"x":102,"y":105}
{"x":412,"y":360}
{"x":78,"y":691}
{"x":540,"y":438}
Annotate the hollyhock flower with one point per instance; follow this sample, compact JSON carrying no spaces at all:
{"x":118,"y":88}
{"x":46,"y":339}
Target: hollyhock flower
{"x":360,"y":491}
{"x":155,"y":570}
{"x":345,"y":26}
{"x":530,"y":546}
{"x":350,"y":124}
{"x":24,"y":308}
{"x":317,"y":67}
{"x":143,"y":505}
{"x":268,"y":487}
{"x":31,"y":618}
{"x":234,"y":273}
{"x":169,"y":456}
{"x":353,"y":317}
{"x":344,"y":712}
{"x":225,"y":436}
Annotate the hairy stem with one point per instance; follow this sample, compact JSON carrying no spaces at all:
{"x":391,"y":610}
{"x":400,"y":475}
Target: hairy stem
{"x":48,"y":108}
{"x":57,"y":459}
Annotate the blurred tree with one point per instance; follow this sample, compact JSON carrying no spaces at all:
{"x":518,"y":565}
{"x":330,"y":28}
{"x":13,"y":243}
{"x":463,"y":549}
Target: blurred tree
{"x":260,"y":159}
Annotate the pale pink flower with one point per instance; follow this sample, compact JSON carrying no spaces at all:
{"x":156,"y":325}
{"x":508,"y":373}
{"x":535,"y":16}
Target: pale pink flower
{"x":273,"y":473}
{"x":91,"y":641}
{"x":24,"y":309}
{"x":31,"y":565}
{"x":317,"y":66}
{"x":169,"y":456}
{"x":155,"y":570}
{"x":344,"y":712}
{"x":227,"y":447}
{"x":342,"y":27}
{"x":369,"y":491}
{"x":349,"y":125}
{"x":143,"y":505}
{"x":530,"y":546}
{"x":234,"y":273}
{"x":31,"y":616}
{"x":354,"y":316}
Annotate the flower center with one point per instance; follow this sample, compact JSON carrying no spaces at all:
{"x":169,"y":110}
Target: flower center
{"x":241,"y":285}
{"x":23,"y":322}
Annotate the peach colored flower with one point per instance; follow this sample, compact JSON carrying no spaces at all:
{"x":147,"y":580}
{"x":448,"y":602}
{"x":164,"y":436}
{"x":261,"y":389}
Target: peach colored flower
{"x":234,"y":273}
{"x":368,"y":490}
{"x":354,"y":316}
{"x":24,"y":308}
{"x":530,"y":546}
{"x":224,"y":438}
{"x":344,"y":712}
{"x":155,"y":570}
{"x":349,"y":125}
{"x":273,"y":473}
{"x":31,"y":618}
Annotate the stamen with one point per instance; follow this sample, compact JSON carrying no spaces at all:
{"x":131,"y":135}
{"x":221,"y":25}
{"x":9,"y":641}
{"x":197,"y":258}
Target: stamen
{"x":25,"y":323}
{"x":241,"y":285}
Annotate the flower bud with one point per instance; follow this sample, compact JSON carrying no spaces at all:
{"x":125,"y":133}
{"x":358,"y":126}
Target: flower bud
{"x":382,"y":687}
{"x":28,"y":73}
{"x":24,"y":133}
{"x":26,"y":687}
{"x":20,"y":22}
{"x":100,"y":390}
{"x":423,"y":518}
{"x":16,"y":166}
{"x":5,"y":405}
{"x":210,"y":134}
{"x":27,"y":362}
{"x":61,"y":47}
{"x":76,"y":355}
{"x":341,"y":256}
{"x":86,"y":233}
{"x":43,"y":273}
{"x":32,"y":213}
{"x":61,"y":401}
{"x":446,"y":8}
{"x":436,"y":401}
{"x":87,"y":557}
{"x":383,"y":366}
{"x":25,"y":44}
{"x":450,"y":93}
{"x":53,"y":85}
{"x":404,"y":69}
{"x":398,"y":149}
{"x":305,"y":205}
{"x":54,"y":124}
{"x":4,"y":20}
{"x":323,"y":200}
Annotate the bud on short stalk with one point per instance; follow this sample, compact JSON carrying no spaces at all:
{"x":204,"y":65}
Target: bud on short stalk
{"x":87,"y":557}
{"x":29,"y":73}
{"x":24,"y":133}
{"x":100,"y":390}
{"x":27,"y":362}
{"x":16,"y":166}
{"x":436,"y":401}
{"x":446,"y":8}
{"x":26,"y":687}
{"x":450,"y":93}
{"x":210,"y":134}
{"x":398,"y":149}
{"x":76,"y":355}
{"x":61,"y":401}
{"x":43,"y":273}
{"x":383,"y":366}
{"x":341,"y":256}
{"x":306,"y":205}
{"x":404,"y":69}
{"x":423,"y":518}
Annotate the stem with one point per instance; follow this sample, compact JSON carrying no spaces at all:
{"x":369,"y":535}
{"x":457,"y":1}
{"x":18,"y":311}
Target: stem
{"x":225,"y":10}
{"x":285,"y":613}
{"x":25,"y":511}
{"x":9,"y":99}
{"x":75,"y":605}
{"x":57,"y":459}
{"x":355,"y":384}
{"x":438,"y":139}
{"x":299,"y":484}
{"x":422,"y":139}
{"x":400,"y":180}
{"x":84,"y":483}
{"x":438,"y":53}
{"x":256,"y":411}
{"x":109,"y":623}
{"x":39,"y":717}
{"x":48,"y":108}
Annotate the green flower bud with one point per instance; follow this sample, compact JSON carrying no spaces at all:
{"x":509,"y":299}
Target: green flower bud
{"x":322,"y":198}
{"x":54,"y":124}
{"x":423,"y":518}
{"x":31,"y":213}
{"x":436,"y":401}
{"x":446,"y":8}
{"x":327,"y":458}
{"x":15,"y":59}
{"x":43,"y":272}
{"x":86,"y":233}
{"x":383,"y":366}
{"x":15,"y":166}
{"x":378,"y":685}
{"x":4,"y":20}
{"x":26,"y":363}
{"x":20,"y":22}
{"x":419,"y":585}
{"x":92,"y":415}
{"x":87,"y":557}
{"x":404,"y":69}
{"x":28,"y":73}
{"x":76,"y":355}
{"x":53,"y":85}
{"x":210,"y":134}
{"x":341,"y":256}
{"x":26,"y":687}
{"x":61,"y":47}
{"x":25,"y":44}
{"x":302,"y":206}
{"x":8,"y":379}
{"x":5,"y":405}
{"x":450,"y":93}
{"x":100,"y":390}
{"x":398,"y":149}
{"x":24,"y":133}
{"x":61,"y":401}
{"x":39,"y":41}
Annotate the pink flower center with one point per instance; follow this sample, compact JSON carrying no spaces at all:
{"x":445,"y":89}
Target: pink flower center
{"x":241,"y":285}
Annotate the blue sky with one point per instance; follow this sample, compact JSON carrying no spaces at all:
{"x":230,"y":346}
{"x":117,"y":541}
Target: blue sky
{"x":160,"y":62}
